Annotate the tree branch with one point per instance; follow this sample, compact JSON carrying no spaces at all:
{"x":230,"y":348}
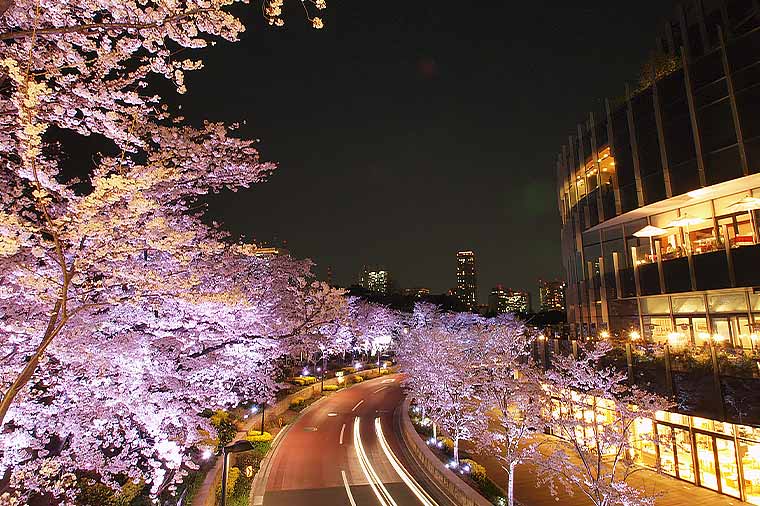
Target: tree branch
{"x":93,"y":27}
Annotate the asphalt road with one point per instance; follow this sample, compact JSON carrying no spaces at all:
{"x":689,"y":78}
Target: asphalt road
{"x":346,"y":450}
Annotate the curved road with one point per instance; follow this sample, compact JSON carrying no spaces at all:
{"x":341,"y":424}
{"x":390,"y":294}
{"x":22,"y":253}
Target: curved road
{"x":346,"y":450}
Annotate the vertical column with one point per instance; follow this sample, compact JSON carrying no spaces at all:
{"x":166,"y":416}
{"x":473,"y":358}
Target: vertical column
{"x":661,"y":136}
{"x":616,"y":266}
{"x":732,"y":99}
{"x":629,"y":360}
{"x":658,"y":252}
{"x":610,"y":138}
{"x":716,"y":380}
{"x":635,"y":271}
{"x":729,"y":257}
{"x":597,"y":165}
{"x":668,"y":372}
{"x":603,"y":293}
{"x":694,"y":123}
{"x":634,"y":146}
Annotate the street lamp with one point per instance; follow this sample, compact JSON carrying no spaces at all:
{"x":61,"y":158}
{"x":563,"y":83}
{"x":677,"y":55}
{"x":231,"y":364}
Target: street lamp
{"x":236,"y":447}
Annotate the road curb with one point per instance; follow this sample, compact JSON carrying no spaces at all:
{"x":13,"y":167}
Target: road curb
{"x":443,"y":477}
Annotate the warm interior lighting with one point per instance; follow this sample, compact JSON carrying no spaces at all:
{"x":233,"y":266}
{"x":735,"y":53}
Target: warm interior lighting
{"x":634,"y":335}
{"x":604,"y":334}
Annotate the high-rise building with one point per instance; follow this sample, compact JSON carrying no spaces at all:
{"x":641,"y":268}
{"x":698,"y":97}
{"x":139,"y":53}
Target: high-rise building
{"x":659,"y":192}
{"x":467,"y":280}
{"x":497,"y":300}
{"x":518,"y":301}
{"x":551,"y":295}
{"x":376,"y":280}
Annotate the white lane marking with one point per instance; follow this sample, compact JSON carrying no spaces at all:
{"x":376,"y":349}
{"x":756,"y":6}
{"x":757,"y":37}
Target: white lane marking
{"x":348,"y":489}
{"x":341,"y":433}
{"x":379,"y":390}
{"x":332,"y":414}
{"x":389,"y":380}
{"x":407,"y":478}
{"x":357,"y":405}
{"x":369,"y":472}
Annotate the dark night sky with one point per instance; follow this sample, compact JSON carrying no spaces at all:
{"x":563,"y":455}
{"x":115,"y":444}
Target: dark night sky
{"x":408,"y":130}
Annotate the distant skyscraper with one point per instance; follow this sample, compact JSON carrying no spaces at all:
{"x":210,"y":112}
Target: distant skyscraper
{"x":376,"y":280}
{"x":497,"y":301}
{"x":551,"y":295}
{"x":518,"y":301}
{"x":467,"y":280}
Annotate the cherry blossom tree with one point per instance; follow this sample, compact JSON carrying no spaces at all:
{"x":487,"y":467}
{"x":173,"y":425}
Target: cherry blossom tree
{"x":512,"y":402}
{"x":122,"y":314}
{"x":594,"y":413}
{"x":441,"y":359}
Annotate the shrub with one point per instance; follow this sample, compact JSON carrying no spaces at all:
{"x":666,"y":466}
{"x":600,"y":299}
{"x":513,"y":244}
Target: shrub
{"x":356,"y":379}
{"x":304,"y":380}
{"x":331,"y":388}
{"x":384,"y":371}
{"x":477,"y":471}
{"x":94,"y":493}
{"x":448,"y":444}
{"x":225,"y":427}
{"x":298,"y":405}
{"x":232,"y":478}
{"x":255,"y":436}
{"x":348,"y":370}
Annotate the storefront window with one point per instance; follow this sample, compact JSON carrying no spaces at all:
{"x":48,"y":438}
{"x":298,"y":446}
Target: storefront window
{"x":734,"y":222}
{"x":729,"y":470}
{"x":655,"y":305}
{"x":749,"y":453}
{"x":643,"y":446}
{"x":682,"y":305}
{"x":708,"y":476}
{"x":657,"y":329}
{"x":685,"y":457}
{"x":727,"y":303}
{"x":667,"y":455}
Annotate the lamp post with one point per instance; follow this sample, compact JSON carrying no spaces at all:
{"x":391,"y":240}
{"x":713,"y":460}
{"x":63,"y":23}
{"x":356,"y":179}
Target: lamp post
{"x":236,"y":447}
{"x":324,"y":370}
{"x":263,"y":408}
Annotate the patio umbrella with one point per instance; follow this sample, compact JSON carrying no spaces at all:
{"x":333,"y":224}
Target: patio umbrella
{"x":747,"y":204}
{"x":650,"y":231}
{"x":685,"y":221}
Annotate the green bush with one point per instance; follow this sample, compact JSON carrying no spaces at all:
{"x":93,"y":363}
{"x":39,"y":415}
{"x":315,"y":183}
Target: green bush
{"x":232,"y":477}
{"x":304,"y":380}
{"x":94,"y":493}
{"x":225,"y":427}
{"x":298,"y":405}
{"x":448,"y":444}
{"x":384,"y":371}
{"x":477,"y":471}
{"x":331,"y":388}
{"x":256,"y":436}
{"x":356,"y":378}
{"x":348,"y":370}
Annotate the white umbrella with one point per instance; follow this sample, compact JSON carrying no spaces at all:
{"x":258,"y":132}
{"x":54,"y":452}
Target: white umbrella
{"x":650,"y":231}
{"x":747,"y":204}
{"x":686,"y":221}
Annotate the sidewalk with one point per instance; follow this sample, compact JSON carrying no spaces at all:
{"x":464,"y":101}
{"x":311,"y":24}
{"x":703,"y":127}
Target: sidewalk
{"x":676,"y":492}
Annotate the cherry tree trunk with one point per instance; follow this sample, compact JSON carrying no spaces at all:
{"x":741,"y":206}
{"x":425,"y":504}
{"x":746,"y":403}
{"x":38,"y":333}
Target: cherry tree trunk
{"x":511,"y":485}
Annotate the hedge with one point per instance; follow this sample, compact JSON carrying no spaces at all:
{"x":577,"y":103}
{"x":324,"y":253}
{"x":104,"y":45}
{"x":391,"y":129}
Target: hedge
{"x":331,"y":388}
{"x":304,"y":380}
{"x":356,"y":379}
{"x":477,"y":471}
{"x":298,"y":405}
{"x":256,"y":436}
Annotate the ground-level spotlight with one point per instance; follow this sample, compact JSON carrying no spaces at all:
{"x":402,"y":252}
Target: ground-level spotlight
{"x":206,"y":454}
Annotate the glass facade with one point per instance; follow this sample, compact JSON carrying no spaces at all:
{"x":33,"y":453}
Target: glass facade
{"x":659,"y":193}
{"x":720,"y":456}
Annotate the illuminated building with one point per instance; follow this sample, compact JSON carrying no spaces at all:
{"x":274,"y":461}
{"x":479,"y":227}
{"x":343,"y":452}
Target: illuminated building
{"x":551,"y":295}
{"x":467,"y":280}
{"x":376,"y":280}
{"x":658,"y":192}
{"x":497,"y":301}
{"x":417,"y":293}
{"x":659,"y":195}
{"x":517,"y":301}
